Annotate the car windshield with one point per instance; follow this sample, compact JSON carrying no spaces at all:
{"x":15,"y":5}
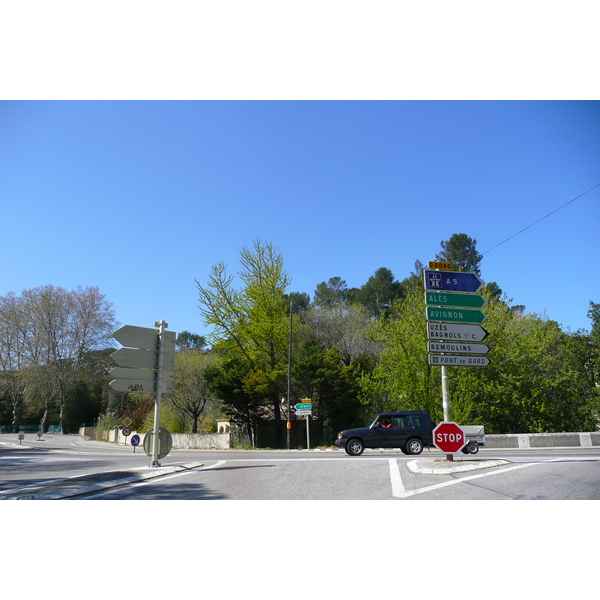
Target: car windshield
{"x":376,"y":420}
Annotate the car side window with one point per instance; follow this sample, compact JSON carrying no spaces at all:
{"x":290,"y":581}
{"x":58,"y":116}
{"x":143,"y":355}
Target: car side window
{"x":403,"y":421}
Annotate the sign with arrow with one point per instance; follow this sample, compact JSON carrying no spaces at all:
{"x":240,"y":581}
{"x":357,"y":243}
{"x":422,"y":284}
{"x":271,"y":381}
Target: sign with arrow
{"x":455,"y":315}
{"x":452,"y":299}
{"x":456,"y":332}
{"x":452,"y":281}
{"x":303,"y":406}
{"x":445,"y":360}
{"x":145,"y":338}
{"x":458,"y":347}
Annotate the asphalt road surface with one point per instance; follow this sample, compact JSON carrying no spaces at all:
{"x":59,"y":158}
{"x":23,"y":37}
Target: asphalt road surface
{"x":69,"y":467}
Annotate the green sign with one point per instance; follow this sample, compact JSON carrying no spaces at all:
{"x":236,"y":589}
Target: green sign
{"x":455,"y":315}
{"x":450,"y":299}
{"x":303,"y":406}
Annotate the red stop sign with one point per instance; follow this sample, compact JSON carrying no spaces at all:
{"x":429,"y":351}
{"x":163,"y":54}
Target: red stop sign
{"x":449,"y":437}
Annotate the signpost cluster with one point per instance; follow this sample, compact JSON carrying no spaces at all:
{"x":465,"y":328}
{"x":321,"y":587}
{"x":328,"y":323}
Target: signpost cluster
{"x":453,"y":331}
{"x":146,"y":365}
{"x":304,"y":409}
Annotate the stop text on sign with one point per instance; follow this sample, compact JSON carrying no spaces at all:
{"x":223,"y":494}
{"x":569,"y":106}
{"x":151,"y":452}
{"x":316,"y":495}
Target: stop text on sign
{"x":441,"y":437}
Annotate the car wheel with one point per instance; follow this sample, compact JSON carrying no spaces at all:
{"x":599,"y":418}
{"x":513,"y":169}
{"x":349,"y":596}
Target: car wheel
{"x":355,"y":447}
{"x":473,"y":447}
{"x":414,"y":446}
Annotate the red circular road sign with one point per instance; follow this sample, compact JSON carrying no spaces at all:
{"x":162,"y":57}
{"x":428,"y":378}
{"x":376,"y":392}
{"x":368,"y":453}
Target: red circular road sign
{"x":126,"y":431}
{"x":449,"y":437}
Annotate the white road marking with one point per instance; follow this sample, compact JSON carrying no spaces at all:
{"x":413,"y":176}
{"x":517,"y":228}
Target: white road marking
{"x":430,"y":488}
{"x":397,"y":485}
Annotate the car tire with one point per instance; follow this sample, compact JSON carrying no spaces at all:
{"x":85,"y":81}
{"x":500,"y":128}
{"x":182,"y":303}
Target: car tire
{"x":473,"y":447}
{"x":355,"y":447}
{"x":414,"y":446}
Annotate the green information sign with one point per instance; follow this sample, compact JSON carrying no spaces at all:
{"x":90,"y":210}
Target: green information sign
{"x":455,"y":315}
{"x":303,"y":406}
{"x":451,"y":299}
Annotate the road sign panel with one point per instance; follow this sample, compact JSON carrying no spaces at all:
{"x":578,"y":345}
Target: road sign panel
{"x":303,"y":406}
{"x":454,"y":299}
{"x":132,"y":385}
{"x":452,"y":281}
{"x":142,"y":359}
{"x":303,"y":413}
{"x":135,"y":440}
{"x":146,"y":338}
{"x":126,"y":431}
{"x":125,"y":373}
{"x":165,"y":442}
{"x":455,"y":315}
{"x":453,"y":331}
{"x":449,"y":437}
{"x":458,"y":361}
{"x":137,"y":337}
{"x":436,"y":264}
{"x":461,"y":348}
{"x":127,"y":421}
{"x":138,"y":359}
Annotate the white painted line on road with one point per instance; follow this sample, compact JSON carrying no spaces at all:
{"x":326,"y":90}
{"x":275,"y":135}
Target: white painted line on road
{"x":430,"y":488}
{"x":397,"y":485}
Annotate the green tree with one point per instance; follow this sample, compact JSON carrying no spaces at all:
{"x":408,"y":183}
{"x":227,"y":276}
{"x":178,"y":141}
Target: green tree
{"x":251,"y":322}
{"x":191,"y":393}
{"x":330,"y":293}
{"x":461,"y":251}
{"x":378,"y":293}
{"x":192,"y":341}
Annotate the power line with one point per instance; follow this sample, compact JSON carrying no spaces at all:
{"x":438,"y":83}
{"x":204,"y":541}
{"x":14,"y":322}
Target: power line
{"x":551,"y":213}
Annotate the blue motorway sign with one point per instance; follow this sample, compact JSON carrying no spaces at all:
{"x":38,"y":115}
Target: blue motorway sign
{"x":452,"y":281}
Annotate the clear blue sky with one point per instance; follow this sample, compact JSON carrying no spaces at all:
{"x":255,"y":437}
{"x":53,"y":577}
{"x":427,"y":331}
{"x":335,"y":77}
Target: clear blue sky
{"x":141,"y":198}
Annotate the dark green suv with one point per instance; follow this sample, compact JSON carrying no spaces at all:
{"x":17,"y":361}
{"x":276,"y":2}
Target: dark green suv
{"x":409,"y":430}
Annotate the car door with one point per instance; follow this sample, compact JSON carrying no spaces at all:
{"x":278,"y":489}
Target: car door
{"x":401,"y":430}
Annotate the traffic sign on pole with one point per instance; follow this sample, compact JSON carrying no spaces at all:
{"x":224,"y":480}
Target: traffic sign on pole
{"x":125,"y":373}
{"x":143,"y":337}
{"x":303,"y":406}
{"x":452,"y":281}
{"x":453,"y":331}
{"x":455,"y":315}
{"x":133,"y":385}
{"x":444,"y":360}
{"x":303,"y":412}
{"x":455,"y":299}
{"x":462,"y":348}
{"x":449,"y":437}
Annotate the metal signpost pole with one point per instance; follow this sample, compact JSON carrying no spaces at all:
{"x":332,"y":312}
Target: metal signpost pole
{"x":307,"y":433}
{"x":289,"y":383}
{"x":446,"y":401}
{"x":159,"y":376}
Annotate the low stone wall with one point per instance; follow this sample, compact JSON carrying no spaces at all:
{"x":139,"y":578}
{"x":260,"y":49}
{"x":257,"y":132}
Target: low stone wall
{"x":180,"y":440}
{"x":543,"y":440}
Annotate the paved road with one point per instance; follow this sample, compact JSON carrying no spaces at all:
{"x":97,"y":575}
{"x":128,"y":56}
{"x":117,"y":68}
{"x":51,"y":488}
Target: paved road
{"x":68,"y":466}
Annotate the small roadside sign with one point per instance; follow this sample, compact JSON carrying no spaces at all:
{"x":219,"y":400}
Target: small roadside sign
{"x":126,"y":431}
{"x":303,"y":413}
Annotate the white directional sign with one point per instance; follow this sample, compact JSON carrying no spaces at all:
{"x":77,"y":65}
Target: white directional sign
{"x":445,"y":360}
{"x":133,"y":385}
{"x":144,"y":337}
{"x":459,"y":347}
{"x":456,"y":332}
{"x":303,"y":413}
{"x":142,"y":359}
{"x":138,"y":361}
{"x":123,"y":373}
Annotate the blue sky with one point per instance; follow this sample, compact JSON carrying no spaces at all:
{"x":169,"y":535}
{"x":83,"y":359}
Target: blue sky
{"x":141,"y":198}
